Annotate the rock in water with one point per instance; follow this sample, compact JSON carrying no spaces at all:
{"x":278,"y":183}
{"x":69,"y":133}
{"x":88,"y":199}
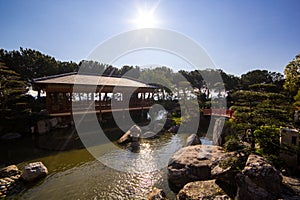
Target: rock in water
{"x":173,"y":129}
{"x":34,"y":171}
{"x":258,"y":180}
{"x":157,"y":194}
{"x":193,"y":140}
{"x":43,"y":126}
{"x":10,"y":136}
{"x":202,"y":190}
{"x":11,"y":170}
{"x":134,"y":131}
{"x":193,"y":163}
{"x":9,"y":181}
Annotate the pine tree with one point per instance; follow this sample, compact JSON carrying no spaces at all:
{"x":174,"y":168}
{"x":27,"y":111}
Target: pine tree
{"x":11,"y":90}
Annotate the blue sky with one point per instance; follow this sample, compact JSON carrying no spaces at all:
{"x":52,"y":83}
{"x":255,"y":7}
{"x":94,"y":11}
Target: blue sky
{"x":238,"y":35}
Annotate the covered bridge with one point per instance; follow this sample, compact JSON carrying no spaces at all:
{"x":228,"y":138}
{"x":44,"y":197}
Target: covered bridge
{"x":73,"y":93}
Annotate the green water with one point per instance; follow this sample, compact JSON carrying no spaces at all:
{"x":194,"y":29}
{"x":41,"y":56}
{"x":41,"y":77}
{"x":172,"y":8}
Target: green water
{"x":76,"y":174}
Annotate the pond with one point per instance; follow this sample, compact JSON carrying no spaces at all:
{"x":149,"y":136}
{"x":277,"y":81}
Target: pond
{"x":76,"y":174}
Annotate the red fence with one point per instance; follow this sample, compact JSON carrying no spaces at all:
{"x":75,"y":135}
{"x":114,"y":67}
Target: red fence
{"x":219,"y":112}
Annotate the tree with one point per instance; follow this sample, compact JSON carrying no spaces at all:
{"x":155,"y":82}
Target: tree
{"x":231,"y":82}
{"x":254,"y":109}
{"x":30,"y":64}
{"x":11,"y":90}
{"x":255,"y":77}
{"x":268,"y":139}
{"x":292,"y":77}
{"x":297,"y":100}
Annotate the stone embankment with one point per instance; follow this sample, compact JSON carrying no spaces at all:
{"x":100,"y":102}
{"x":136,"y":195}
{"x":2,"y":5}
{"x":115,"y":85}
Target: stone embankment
{"x":208,"y":172}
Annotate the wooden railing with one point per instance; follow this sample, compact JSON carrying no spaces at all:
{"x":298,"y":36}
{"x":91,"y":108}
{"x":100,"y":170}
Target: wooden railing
{"x":218,"y":112}
{"x":99,"y":106}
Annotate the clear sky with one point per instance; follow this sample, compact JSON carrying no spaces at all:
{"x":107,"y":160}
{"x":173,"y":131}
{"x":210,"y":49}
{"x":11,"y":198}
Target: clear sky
{"x":239,"y":35}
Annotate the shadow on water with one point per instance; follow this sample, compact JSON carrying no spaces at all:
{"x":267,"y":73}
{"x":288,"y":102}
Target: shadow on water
{"x":75,"y":174}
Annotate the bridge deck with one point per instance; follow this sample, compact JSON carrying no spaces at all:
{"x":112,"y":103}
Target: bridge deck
{"x":82,"y":112}
{"x":218,"y":112}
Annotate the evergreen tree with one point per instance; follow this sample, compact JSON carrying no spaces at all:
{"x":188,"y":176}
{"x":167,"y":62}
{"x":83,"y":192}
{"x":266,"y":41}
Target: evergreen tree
{"x":11,"y":90}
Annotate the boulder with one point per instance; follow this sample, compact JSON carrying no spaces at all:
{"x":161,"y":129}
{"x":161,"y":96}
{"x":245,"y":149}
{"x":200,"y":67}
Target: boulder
{"x":173,"y":129}
{"x":290,"y":187}
{"x":34,"y":171}
{"x":202,"y":190}
{"x":11,"y":170}
{"x":258,"y":180}
{"x":43,"y":126}
{"x":227,"y":166}
{"x":53,"y":122}
{"x":134,"y":131}
{"x":193,"y":139}
{"x":193,"y":163}
{"x":9,"y":181}
{"x":157,"y":194}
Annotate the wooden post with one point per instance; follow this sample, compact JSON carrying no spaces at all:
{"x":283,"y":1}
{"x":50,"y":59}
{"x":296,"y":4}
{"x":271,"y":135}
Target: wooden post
{"x":71,"y":100}
{"x":48,"y":100}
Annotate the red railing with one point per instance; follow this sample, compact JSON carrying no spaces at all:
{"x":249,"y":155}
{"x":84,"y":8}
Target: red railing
{"x":218,"y":112}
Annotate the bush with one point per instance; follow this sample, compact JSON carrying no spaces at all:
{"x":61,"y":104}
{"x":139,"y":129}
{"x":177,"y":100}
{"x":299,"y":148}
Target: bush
{"x":268,"y":139}
{"x":232,"y":143}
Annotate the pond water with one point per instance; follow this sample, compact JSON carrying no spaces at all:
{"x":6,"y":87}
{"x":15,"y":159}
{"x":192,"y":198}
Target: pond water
{"x":76,"y":174}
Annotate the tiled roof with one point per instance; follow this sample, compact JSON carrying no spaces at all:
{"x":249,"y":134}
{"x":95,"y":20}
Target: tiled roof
{"x":81,"y":79}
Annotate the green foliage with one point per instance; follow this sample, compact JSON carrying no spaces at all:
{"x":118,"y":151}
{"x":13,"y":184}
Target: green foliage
{"x":292,"y":73}
{"x":232,"y":143}
{"x":297,"y":99}
{"x":263,"y":87}
{"x":259,"y":108}
{"x":11,"y":90}
{"x":33,"y":64}
{"x":268,"y":139}
{"x":177,"y":120}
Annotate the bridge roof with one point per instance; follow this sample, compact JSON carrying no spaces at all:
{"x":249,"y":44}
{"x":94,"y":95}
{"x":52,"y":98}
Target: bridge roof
{"x":92,"y":80}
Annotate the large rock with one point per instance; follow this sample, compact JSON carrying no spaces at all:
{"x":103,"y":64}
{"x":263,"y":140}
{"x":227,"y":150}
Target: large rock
{"x":227,"y":166}
{"x":9,"y":181}
{"x":157,"y":194}
{"x":193,"y":139}
{"x":34,"y":171}
{"x":173,"y":129}
{"x":193,"y":163}
{"x":258,"y":180}
{"x":134,"y":132}
{"x":202,"y":190}
{"x":43,"y":126}
{"x":290,"y":187}
{"x":11,"y":170}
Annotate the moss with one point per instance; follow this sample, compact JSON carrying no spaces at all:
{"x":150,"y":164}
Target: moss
{"x":229,"y":162}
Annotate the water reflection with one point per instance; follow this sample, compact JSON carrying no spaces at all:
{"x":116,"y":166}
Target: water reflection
{"x":95,"y":180}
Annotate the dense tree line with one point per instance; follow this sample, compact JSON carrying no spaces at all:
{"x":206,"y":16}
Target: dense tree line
{"x":259,"y":97}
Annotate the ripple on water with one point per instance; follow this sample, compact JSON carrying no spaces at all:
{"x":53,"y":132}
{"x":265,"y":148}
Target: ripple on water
{"x":94,"y":180}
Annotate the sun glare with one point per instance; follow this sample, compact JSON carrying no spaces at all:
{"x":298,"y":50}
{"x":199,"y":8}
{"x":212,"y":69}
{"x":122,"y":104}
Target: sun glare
{"x":145,"y":17}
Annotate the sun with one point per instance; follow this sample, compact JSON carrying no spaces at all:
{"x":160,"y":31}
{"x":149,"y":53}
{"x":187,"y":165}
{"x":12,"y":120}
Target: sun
{"x":145,"y":17}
